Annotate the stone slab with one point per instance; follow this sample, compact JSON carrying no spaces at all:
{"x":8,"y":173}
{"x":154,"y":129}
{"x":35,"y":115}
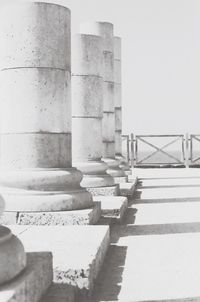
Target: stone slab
{"x":59,"y":293}
{"x":104,"y":191}
{"x":120,"y":179}
{"x":32,"y":283}
{"x":78,"y":217}
{"x":128,"y":189}
{"x":78,"y":251}
{"x":113,"y":207}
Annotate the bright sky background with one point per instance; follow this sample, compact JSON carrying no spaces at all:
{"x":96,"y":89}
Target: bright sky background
{"x":160,"y":60}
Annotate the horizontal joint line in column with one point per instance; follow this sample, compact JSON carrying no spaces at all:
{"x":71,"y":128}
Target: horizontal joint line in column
{"x":109,"y":112}
{"x":111,"y":82}
{"x":41,"y":132}
{"x":86,"y":75}
{"x":36,"y":67}
{"x":119,"y":60}
{"x":108,"y":142}
{"x":96,"y":117}
{"x":118,"y":107}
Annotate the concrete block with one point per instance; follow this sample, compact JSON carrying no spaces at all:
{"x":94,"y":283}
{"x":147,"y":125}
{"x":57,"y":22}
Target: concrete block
{"x":127,"y":189}
{"x":104,"y":191}
{"x":59,"y":293}
{"x":77,"y":217}
{"x":32,"y":283}
{"x":113,"y":206}
{"x":120,"y":179}
{"x":78,"y":251}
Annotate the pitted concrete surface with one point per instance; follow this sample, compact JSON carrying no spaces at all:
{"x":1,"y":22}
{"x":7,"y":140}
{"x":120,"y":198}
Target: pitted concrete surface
{"x":154,"y":254}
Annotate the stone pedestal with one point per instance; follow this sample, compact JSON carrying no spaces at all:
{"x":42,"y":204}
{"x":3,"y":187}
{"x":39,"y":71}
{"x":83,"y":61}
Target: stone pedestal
{"x":87,"y":111}
{"x":105,"y":31}
{"x":36,"y":172}
{"x":118,"y":106}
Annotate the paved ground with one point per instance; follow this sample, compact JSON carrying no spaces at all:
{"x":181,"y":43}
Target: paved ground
{"x":155,"y":253}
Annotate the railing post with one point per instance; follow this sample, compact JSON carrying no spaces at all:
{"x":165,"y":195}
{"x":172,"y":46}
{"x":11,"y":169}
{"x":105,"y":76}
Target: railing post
{"x":132,"y":150}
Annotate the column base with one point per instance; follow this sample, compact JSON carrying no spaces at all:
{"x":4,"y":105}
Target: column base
{"x":94,"y":174}
{"x":12,"y":255}
{"x":123,"y":164}
{"x":43,"y":190}
{"x":128,"y":189}
{"x":105,"y":191}
{"x":33,"y":282}
{"x":113,"y":167}
{"x":78,"y":217}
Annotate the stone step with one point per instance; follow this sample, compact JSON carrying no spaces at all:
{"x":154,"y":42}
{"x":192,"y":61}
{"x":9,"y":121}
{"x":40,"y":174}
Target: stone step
{"x":32,"y":283}
{"x":128,"y":189}
{"x":77,"y":217}
{"x":153,"y":195}
{"x":78,"y":251}
{"x":113,"y":207}
{"x":169,"y":182}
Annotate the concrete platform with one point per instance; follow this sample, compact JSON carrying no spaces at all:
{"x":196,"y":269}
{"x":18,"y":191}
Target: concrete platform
{"x":32,"y":283}
{"x":105,"y":191}
{"x":113,"y":207}
{"x":78,"y":217}
{"x":128,"y":189}
{"x":78,"y":251}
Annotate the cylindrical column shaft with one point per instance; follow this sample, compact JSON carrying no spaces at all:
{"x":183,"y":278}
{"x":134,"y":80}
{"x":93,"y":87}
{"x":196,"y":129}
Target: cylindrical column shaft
{"x":36,"y":165}
{"x":87,"y":110}
{"x":105,"y":31}
{"x":118,"y":104}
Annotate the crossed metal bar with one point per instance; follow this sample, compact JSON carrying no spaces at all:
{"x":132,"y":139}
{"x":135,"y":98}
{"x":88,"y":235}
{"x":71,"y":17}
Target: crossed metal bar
{"x":161,"y":149}
{"x":193,"y":137}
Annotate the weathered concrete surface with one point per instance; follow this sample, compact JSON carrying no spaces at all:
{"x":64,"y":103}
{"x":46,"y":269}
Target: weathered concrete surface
{"x":113,"y":207}
{"x":154,"y":255}
{"x":77,"y":217}
{"x":32,"y":283}
{"x":36,"y":172}
{"x":78,"y":251}
{"x":105,"y":191}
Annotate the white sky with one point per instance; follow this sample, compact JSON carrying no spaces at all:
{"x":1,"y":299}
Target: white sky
{"x":161,"y":59}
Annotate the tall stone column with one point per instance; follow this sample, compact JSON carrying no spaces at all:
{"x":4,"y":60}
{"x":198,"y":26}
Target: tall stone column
{"x":12,"y":254}
{"x":36,"y":163}
{"x":87,"y":110}
{"x":118,"y":105}
{"x":105,"y":31}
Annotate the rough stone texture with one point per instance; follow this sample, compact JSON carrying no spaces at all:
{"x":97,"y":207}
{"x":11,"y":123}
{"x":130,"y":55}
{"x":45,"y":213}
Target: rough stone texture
{"x":59,"y":293}
{"x":42,"y":44}
{"x":32,"y":283}
{"x":77,"y":217}
{"x":104,"y":191}
{"x":78,"y":251}
{"x":113,"y":206}
{"x":36,"y":99}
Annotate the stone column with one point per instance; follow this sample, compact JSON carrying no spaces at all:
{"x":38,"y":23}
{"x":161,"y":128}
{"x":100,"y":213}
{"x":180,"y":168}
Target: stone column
{"x":87,"y":110}
{"x":105,"y":31}
{"x":12,"y":254}
{"x":36,"y":166}
{"x":118,"y":105}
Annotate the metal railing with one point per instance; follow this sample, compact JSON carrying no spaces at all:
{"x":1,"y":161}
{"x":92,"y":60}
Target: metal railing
{"x":168,"y":150}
